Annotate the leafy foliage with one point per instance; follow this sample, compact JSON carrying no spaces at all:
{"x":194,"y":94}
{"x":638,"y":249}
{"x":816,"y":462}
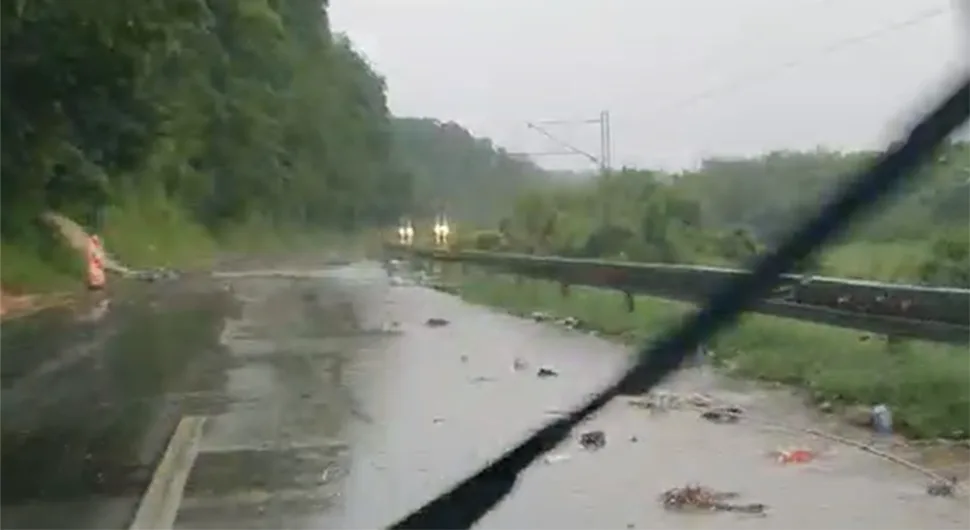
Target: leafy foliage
{"x":454,"y":171}
{"x":727,"y":211}
{"x":231,"y":109}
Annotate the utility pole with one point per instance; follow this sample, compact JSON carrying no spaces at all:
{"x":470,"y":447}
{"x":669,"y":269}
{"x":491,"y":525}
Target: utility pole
{"x":603,"y":161}
{"x":606,"y":143}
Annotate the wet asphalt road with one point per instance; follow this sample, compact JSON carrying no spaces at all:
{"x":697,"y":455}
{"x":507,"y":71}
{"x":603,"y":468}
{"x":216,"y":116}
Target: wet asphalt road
{"x":330,"y":404}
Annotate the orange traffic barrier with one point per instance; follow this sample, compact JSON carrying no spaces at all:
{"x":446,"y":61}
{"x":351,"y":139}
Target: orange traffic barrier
{"x":96,"y":275}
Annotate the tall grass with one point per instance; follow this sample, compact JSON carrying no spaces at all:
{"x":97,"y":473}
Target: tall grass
{"x":146,"y":230}
{"x":896,"y":261}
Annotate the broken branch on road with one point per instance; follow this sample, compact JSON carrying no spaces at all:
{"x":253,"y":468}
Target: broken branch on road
{"x":722,"y":415}
{"x":695,"y":497}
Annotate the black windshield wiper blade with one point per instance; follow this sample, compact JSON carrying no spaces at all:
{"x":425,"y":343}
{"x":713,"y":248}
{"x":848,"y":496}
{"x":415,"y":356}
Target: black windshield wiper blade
{"x":470,"y":500}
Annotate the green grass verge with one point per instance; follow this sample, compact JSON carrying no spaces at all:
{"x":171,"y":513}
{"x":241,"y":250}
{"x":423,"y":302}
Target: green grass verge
{"x":926,"y":385}
{"x":38,"y":261}
{"x":144,"y":230}
{"x":23,"y":269}
{"x":890,"y":261}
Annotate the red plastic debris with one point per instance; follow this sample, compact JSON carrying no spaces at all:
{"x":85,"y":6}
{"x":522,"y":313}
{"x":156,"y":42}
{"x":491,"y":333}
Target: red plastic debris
{"x":796,"y":456}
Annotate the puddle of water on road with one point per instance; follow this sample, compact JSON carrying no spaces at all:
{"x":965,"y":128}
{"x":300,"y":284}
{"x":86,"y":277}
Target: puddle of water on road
{"x":277,"y":459}
{"x":91,"y":430}
{"x":284,"y":469}
{"x":255,"y":424}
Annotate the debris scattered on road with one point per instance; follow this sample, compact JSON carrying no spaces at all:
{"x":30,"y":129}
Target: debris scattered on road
{"x":555,"y":458}
{"x":794,"y":456}
{"x":634,"y":439}
{"x":592,"y":440}
{"x":723,"y":414}
{"x":464,"y":358}
{"x":700,"y":498}
{"x":482,"y":379}
{"x":539,"y":316}
{"x":700,"y":400}
{"x":662,"y":401}
{"x":519,"y":365}
{"x":435,"y":322}
{"x":942,"y":488}
{"x":546,"y":372}
{"x":154,"y":275}
{"x":569,"y":322}
{"x":436,"y":421}
{"x":640,"y":403}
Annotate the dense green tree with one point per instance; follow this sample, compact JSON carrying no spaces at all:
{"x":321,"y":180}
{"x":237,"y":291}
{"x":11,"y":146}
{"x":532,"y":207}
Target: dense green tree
{"x":230,"y":109}
{"x":727,"y":211}
{"x":454,"y":171}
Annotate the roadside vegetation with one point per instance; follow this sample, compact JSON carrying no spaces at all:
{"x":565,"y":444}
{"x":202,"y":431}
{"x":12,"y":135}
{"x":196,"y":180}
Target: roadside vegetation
{"x":725,"y":213}
{"x":926,"y":385}
{"x":181,"y":131}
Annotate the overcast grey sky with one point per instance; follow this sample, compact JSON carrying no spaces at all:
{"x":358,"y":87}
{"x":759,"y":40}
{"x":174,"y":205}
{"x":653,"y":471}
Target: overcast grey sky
{"x":857,"y":70}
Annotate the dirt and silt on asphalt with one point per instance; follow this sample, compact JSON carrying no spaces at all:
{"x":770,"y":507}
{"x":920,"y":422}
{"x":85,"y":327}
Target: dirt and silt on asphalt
{"x":332,"y":403}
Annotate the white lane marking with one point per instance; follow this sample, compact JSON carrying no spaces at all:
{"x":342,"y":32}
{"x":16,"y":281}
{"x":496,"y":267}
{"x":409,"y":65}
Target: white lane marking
{"x":159,"y":506}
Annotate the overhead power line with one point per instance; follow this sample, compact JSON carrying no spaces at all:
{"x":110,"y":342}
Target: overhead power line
{"x":832,"y":48}
{"x":751,"y":78}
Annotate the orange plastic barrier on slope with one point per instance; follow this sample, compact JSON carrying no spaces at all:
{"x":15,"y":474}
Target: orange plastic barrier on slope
{"x":96,"y":275}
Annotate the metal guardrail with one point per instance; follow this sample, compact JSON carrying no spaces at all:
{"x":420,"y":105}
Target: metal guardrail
{"x":929,"y":313}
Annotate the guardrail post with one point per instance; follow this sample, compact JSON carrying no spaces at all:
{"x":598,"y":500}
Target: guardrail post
{"x":631,"y":303}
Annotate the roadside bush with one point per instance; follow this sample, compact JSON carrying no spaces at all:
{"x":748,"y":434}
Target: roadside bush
{"x":948,"y":262}
{"x":488,"y":240}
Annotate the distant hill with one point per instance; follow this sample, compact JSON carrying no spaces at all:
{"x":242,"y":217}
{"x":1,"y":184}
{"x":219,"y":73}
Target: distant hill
{"x":452,"y":170}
